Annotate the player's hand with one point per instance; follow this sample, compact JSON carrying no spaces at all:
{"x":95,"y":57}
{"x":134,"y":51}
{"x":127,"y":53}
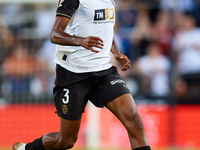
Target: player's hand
{"x":91,"y":41}
{"x":123,"y":59}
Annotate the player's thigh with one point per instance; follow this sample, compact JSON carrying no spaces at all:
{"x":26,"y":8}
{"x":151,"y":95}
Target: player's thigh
{"x":109,"y":87}
{"x":123,"y":107}
{"x":70,"y":101}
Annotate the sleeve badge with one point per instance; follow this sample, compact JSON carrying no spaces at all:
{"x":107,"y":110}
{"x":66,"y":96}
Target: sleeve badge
{"x":60,"y":3}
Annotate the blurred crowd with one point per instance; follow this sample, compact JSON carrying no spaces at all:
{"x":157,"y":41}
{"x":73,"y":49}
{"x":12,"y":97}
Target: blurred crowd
{"x":160,"y":37}
{"x":26,"y":54}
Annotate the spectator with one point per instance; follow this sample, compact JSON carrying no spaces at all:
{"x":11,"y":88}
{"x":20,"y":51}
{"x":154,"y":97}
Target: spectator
{"x":44,"y":19}
{"x":182,"y":6}
{"x":187,"y":46}
{"x":18,"y":69}
{"x":43,"y":82}
{"x":154,"y":70}
{"x":126,"y":18}
{"x":162,"y":33}
{"x":7,"y":40}
{"x":178,"y":5}
{"x":187,"y":49}
{"x":126,"y":14}
{"x":140,"y":36}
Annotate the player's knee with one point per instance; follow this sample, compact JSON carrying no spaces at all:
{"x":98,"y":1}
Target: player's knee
{"x":66,"y":143}
{"x":130,"y":114}
{"x":134,"y":122}
{"x":137,"y":119}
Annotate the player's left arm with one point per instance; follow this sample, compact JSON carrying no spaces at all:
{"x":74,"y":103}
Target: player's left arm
{"x":121,"y":58}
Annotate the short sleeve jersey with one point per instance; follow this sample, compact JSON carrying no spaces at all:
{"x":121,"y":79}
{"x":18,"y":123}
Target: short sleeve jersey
{"x":87,"y":18}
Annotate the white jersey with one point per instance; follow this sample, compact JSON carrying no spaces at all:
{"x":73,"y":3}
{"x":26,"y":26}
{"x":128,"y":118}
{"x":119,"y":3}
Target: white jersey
{"x":91,"y":18}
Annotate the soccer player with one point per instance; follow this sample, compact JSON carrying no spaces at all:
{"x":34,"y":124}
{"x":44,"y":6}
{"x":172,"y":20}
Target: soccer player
{"x":83,"y":32}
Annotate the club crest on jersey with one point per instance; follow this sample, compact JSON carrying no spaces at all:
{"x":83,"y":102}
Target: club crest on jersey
{"x":64,"y":109}
{"x":60,"y":4}
{"x":104,"y":14}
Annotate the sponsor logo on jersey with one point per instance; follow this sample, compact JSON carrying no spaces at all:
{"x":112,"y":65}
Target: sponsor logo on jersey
{"x":60,"y":4}
{"x":104,"y":14}
{"x":117,"y":81}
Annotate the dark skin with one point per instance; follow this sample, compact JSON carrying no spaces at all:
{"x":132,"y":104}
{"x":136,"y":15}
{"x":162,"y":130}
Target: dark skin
{"x":121,"y":58}
{"x":123,"y":107}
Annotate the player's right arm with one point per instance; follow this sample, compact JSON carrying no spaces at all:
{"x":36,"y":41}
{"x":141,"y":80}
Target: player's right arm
{"x":59,"y":36}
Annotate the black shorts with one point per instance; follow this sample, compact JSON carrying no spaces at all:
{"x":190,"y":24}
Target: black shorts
{"x":73,"y":90}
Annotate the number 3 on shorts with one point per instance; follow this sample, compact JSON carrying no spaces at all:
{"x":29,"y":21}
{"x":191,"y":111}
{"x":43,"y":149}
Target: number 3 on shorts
{"x":65,"y":100}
